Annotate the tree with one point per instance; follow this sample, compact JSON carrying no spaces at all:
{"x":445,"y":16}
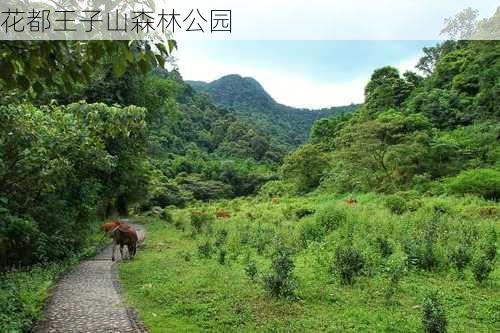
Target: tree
{"x":305,"y":166}
{"x":385,"y":90}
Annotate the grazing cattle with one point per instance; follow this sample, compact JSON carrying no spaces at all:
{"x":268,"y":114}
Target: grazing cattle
{"x":122,"y":235}
{"x":275,"y":200}
{"x":222,"y":214}
{"x":351,"y":201}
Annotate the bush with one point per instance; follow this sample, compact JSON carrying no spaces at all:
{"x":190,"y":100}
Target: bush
{"x":251,"y":270}
{"x":280,"y":282}
{"x":311,"y":232}
{"x":482,"y":182}
{"x":166,"y":216}
{"x":220,"y":238}
{"x":303,"y":212}
{"x":383,"y":246}
{"x":276,"y":188}
{"x":21,"y":242}
{"x":459,"y":258}
{"x":222,"y":256}
{"x":420,"y":250}
{"x":481,"y":267}
{"x":199,"y":220}
{"x":262,"y":238}
{"x":489,"y":245}
{"x":421,"y":253}
{"x":205,"y":249}
{"x":348,"y":263}
{"x":331,"y":218}
{"x":433,"y":315}
{"x":396,"y":204}
{"x":395,"y":269}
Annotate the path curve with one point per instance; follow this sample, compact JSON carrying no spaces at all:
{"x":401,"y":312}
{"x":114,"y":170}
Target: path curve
{"x":88,"y":299}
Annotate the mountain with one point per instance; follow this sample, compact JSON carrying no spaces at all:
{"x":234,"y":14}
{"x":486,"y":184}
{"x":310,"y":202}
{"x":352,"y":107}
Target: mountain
{"x":248,"y":100}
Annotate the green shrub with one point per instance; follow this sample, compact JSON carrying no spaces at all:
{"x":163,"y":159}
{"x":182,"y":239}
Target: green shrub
{"x":21,"y":242}
{"x":311,"y":231}
{"x":420,"y":250}
{"x":280,"y":282}
{"x":220,"y":238}
{"x":276,"y":188}
{"x":262,"y":238}
{"x":348,"y":263}
{"x":166,"y":216}
{"x":395,"y":269}
{"x":384,"y":246}
{"x":222,"y":257}
{"x":489,"y":244}
{"x":396,"y":204}
{"x":481,"y":267}
{"x":199,"y":220}
{"x":421,"y":253}
{"x":205,"y":249}
{"x":433,"y":315}
{"x":482,"y":182}
{"x":303,"y":212}
{"x":460,"y":258}
{"x":331,"y":218}
{"x":251,"y":270}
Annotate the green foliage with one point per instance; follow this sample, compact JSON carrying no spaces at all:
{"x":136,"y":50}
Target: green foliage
{"x":305,"y":167}
{"x":248,"y":101}
{"x":386,"y":89}
{"x":412,"y":132}
{"x":460,"y":257}
{"x":420,"y":250}
{"x":331,"y":217}
{"x":311,"y":231}
{"x":395,"y":269}
{"x":481,"y":266}
{"x":396,"y":203}
{"x":166,"y":216}
{"x":348,"y":263}
{"x":62,"y":168}
{"x":251,"y":270}
{"x":200,"y":220}
{"x":34,"y":66}
{"x":220,"y":237}
{"x":205,"y":249}
{"x":384,"y":246}
{"x":280,"y":282}
{"x":222,"y":256}
{"x":483,"y":182}
{"x":276,"y":188}
{"x":433,"y":315}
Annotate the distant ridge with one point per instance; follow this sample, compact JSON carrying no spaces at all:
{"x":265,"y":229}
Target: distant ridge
{"x":247,"y":99}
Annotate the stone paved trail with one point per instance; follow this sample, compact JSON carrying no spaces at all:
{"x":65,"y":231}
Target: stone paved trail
{"x":88,"y":299}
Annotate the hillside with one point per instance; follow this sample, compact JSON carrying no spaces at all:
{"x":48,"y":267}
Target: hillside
{"x":250,"y":101}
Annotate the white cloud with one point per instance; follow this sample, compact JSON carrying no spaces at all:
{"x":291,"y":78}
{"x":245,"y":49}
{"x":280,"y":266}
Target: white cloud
{"x":285,"y":87}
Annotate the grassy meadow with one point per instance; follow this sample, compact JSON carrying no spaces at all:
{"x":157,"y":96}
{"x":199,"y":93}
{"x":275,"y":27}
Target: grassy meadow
{"x":202,"y":273}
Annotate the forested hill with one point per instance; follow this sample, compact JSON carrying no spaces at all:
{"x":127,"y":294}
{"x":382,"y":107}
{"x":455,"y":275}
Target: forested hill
{"x":247,"y":99}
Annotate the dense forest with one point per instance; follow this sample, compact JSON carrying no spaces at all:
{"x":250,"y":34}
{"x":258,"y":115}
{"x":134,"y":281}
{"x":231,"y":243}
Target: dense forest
{"x":248,"y":100}
{"x":391,"y":205}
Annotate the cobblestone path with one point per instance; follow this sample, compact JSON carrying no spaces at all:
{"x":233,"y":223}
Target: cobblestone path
{"x":87,"y":299}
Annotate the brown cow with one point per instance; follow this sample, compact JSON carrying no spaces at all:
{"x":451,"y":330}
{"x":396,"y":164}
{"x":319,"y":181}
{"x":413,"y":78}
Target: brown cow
{"x":222,"y":214}
{"x":122,"y":235}
{"x":351,"y":201}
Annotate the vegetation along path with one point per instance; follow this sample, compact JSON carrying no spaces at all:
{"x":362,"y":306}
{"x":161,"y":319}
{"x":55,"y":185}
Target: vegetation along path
{"x":88,"y":299}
